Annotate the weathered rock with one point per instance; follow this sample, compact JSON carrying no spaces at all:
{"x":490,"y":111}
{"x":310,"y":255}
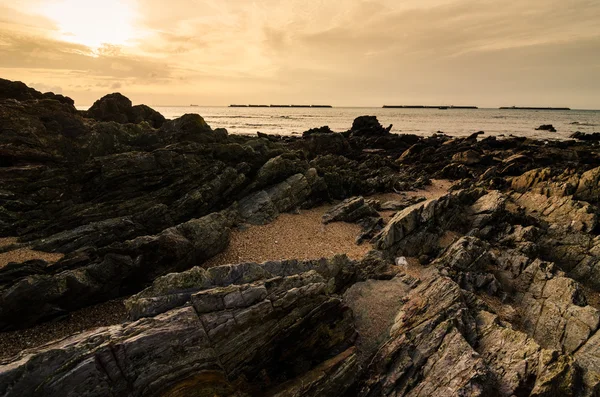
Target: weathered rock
{"x":238,"y":336}
{"x":21,"y":92}
{"x":191,"y":127}
{"x":546,"y":127}
{"x":264,"y":206}
{"x":469,"y":157}
{"x":368,"y":126}
{"x":118,"y":108}
{"x":112,"y":107}
{"x":173,"y":290}
{"x":350,"y":210}
{"x":319,"y":143}
{"x":588,"y":188}
{"x":563,"y":212}
{"x":399,"y":205}
{"x":141,"y":113}
{"x":489,"y":295}
{"x":123,"y":269}
{"x":320,"y":130}
{"x":582,"y":136}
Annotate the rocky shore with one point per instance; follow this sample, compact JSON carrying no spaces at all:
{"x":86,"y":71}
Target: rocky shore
{"x":149,"y":257}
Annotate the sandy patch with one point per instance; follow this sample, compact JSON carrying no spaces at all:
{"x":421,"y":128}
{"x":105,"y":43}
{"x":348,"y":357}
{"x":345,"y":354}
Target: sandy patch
{"x":107,"y":313}
{"x":292,"y":236}
{"x":375,"y":305}
{"x":25,"y":254}
{"x":7,"y":241}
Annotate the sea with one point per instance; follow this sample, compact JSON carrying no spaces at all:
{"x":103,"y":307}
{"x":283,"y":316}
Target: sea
{"x":424,"y":122}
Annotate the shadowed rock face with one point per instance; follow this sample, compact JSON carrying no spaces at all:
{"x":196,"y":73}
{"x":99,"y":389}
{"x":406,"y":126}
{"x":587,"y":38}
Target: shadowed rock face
{"x":118,"y":108}
{"x":21,"y":92}
{"x":489,"y":290}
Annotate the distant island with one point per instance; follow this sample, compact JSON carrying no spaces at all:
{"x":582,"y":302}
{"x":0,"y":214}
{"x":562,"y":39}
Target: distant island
{"x":530,"y":108}
{"x":427,"y":107}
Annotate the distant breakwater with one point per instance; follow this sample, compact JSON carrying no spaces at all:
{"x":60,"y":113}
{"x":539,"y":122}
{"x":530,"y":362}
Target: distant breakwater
{"x":280,"y":106}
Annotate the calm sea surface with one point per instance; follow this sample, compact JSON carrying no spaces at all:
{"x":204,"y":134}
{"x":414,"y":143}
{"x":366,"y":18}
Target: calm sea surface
{"x":289,"y":121}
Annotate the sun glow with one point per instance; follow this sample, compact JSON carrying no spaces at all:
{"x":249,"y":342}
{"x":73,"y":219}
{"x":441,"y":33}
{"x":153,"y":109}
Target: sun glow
{"x":93,"y":23}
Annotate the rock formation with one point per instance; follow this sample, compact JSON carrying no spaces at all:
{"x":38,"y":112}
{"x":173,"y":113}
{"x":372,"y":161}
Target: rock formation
{"x":489,"y":290}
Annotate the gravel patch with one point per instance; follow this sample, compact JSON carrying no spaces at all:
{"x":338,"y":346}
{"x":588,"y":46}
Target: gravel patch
{"x":292,"y":236}
{"x":107,"y":313}
{"x":25,"y":254}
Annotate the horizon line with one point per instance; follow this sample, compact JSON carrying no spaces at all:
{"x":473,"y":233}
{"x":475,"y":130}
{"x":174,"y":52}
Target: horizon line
{"x":354,"y":107}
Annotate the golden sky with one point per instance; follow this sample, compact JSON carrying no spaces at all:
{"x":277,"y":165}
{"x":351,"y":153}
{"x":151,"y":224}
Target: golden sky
{"x":339,"y":52}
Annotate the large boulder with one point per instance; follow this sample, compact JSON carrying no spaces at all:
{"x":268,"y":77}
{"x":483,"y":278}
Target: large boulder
{"x":546,"y":127}
{"x":112,"y":107}
{"x":191,"y":127}
{"x":141,"y":113}
{"x":368,"y":126}
{"x":21,"y":92}
{"x":118,"y":108}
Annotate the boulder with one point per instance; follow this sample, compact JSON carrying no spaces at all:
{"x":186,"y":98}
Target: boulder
{"x":112,"y":107}
{"x":546,"y":127}
{"x":582,"y":136}
{"x":350,"y":210}
{"x":141,"y":113}
{"x":118,"y":108}
{"x":368,"y":126}
{"x":21,"y":92}
{"x":469,"y":157}
{"x":320,"y":130}
{"x":588,"y":188}
{"x":326,"y":143}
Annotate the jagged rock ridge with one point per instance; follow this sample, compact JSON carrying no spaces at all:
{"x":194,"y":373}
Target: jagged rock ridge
{"x":491,"y":289}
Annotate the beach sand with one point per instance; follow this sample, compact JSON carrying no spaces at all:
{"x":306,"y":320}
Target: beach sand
{"x":292,"y":236}
{"x":107,"y":313}
{"x":23,"y":254}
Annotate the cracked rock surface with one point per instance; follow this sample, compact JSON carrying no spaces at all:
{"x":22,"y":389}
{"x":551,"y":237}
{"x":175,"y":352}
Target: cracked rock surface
{"x":491,"y":289}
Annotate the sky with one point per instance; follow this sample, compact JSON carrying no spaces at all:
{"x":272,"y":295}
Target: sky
{"x":338,"y":52}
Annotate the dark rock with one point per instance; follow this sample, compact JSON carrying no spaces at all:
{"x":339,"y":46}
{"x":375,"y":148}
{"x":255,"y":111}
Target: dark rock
{"x":546,"y":127}
{"x":112,"y":107}
{"x":191,"y":127}
{"x":125,"y":267}
{"x":370,"y":226}
{"x":118,"y":108}
{"x":470,"y":157}
{"x":320,"y":130}
{"x":489,"y":295}
{"x":141,"y":113}
{"x":399,"y":205}
{"x":582,"y":136}
{"x":368,"y":126}
{"x":21,"y":92}
{"x":350,"y":210}
{"x":455,"y":171}
{"x":326,"y":143}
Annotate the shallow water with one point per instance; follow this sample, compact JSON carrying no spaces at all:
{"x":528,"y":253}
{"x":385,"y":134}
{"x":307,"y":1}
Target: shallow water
{"x":457,"y":122}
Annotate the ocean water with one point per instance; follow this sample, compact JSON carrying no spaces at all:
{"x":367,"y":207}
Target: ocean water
{"x":455,"y":122}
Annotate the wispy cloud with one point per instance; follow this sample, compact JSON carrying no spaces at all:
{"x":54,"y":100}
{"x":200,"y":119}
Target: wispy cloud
{"x":343,"y":52}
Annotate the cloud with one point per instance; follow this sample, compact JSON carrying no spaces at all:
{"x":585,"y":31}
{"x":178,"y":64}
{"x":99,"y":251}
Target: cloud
{"x":46,"y":88}
{"x":350,"y":52}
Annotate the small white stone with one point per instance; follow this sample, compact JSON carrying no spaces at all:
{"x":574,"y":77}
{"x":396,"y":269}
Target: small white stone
{"x":401,"y":261}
